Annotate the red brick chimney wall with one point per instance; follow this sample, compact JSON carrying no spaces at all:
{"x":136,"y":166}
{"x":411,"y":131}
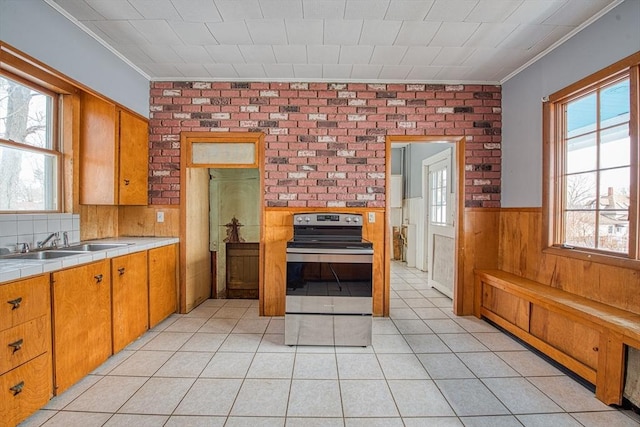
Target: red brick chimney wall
{"x":325,"y":142}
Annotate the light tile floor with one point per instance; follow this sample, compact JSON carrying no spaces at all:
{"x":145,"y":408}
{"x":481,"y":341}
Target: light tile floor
{"x":223,"y":365}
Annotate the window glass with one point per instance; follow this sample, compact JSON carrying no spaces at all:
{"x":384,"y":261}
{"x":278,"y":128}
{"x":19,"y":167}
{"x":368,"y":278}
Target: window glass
{"x":28,"y":154}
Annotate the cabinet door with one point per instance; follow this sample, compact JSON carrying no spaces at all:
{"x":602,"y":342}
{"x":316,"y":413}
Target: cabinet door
{"x":134,"y":160}
{"x":81,"y":321}
{"x":162,"y":283}
{"x":98,"y":152}
{"x":130,"y":300}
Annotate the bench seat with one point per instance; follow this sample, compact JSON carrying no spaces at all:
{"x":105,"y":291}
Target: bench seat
{"x":586,"y":336}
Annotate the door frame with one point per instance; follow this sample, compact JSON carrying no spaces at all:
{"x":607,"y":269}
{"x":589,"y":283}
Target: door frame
{"x":458,"y":273}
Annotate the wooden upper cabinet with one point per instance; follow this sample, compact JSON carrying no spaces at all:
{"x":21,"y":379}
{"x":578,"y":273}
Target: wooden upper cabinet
{"x":114,"y":154}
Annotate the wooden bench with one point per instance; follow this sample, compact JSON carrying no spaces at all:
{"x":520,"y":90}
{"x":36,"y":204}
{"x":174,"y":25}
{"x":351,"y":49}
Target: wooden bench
{"x":586,"y":336}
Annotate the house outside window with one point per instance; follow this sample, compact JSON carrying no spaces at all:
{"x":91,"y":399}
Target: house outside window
{"x":591,"y":162}
{"x":29,"y":152}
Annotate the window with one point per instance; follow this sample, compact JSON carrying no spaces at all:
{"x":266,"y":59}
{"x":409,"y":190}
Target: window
{"x":592,"y":162}
{"x":29,"y":153}
{"x":439,"y":192}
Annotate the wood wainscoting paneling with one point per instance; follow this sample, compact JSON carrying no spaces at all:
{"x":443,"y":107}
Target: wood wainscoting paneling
{"x":142,"y":221}
{"x":521,"y":253}
{"x":278,"y":229}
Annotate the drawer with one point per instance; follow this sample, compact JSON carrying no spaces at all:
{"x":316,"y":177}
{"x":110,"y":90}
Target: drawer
{"x":25,"y":389}
{"x":24,"y":342}
{"x":24,"y":300}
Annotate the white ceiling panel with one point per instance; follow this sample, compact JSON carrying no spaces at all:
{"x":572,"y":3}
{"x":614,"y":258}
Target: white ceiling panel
{"x":225,"y":54}
{"x":315,"y":40}
{"x":454,"y":34}
{"x":423,"y":73}
{"x":281,"y":9}
{"x":115,"y":9}
{"x":496,"y":11}
{"x":414,"y":33}
{"x":420,"y":55}
{"x":197,"y":10}
{"x":408,"y":10}
{"x":366,"y":9}
{"x":355,"y":54}
{"x":336,"y":71}
{"x":221,"y":71}
{"x":365,"y":72}
{"x":249,"y":71}
{"x":304,"y":31}
{"x":195,"y":54}
{"x":490,"y":35}
{"x":325,"y":9}
{"x":534,"y":11}
{"x":307,"y":71}
{"x":193,"y":33}
{"x":257,"y":54}
{"x":388,"y":55}
{"x":380,"y":32}
{"x":321,"y":54}
{"x":157,"y":31}
{"x":230,"y":32}
{"x":342,"y":32}
{"x":395,"y":72}
{"x":279,"y":71}
{"x":268,"y":31}
{"x":452,"y":10}
{"x":155,"y":9}
{"x":234,"y":10}
{"x":452,"y":56}
{"x":291,"y":54}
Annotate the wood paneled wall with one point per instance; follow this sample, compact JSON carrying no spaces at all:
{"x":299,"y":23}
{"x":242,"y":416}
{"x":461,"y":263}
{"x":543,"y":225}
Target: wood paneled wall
{"x":278,"y":226}
{"x":99,"y":222}
{"x":477,"y":248}
{"x":520,"y":253}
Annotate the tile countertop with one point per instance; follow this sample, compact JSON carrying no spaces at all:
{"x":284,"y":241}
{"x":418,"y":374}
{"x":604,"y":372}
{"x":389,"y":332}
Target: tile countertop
{"x":13,"y":269}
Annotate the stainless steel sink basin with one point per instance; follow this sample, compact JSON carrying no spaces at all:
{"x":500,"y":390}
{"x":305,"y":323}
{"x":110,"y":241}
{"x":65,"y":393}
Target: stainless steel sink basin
{"x":92,"y":247}
{"x":42,"y":255}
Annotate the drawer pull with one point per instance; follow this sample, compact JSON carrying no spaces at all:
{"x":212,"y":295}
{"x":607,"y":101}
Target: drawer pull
{"x":16,"y":345}
{"x":17,"y":389}
{"x":126,"y":182}
{"x":98,"y":278}
{"x":121,"y":270}
{"x":15,"y":303}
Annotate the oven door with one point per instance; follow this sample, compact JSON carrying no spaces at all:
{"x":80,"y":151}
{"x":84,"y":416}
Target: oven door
{"x":337,"y":281}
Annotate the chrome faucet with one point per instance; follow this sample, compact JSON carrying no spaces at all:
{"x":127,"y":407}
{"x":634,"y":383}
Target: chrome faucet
{"x":24,"y":247}
{"x":65,"y":239}
{"x":53,"y":237}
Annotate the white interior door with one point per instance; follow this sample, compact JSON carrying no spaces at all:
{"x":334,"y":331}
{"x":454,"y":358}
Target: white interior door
{"x":440,"y":221}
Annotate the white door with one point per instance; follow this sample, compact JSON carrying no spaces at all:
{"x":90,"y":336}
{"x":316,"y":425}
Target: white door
{"x":440,"y":227}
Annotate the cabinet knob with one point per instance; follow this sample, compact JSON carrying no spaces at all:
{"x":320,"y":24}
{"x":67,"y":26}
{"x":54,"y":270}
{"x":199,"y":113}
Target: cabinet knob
{"x":16,"y":345}
{"x":98,"y":278}
{"x":126,"y":182}
{"x":17,"y":389}
{"x":15,"y":303}
{"x":121,"y":270}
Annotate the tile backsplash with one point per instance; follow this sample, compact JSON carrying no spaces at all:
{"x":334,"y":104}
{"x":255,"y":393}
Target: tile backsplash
{"x":33,"y":228}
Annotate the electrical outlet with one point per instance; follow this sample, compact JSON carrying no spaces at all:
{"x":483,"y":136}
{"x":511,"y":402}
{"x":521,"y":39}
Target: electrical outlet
{"x":372,"y":217}
{"x":160,"y":216}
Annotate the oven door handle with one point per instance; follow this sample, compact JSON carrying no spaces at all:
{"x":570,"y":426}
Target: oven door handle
{"x":336,"y":258}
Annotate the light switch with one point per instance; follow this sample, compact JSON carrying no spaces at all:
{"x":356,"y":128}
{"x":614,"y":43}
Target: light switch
{"x":160,"y":216}
{"x":372,"y":217}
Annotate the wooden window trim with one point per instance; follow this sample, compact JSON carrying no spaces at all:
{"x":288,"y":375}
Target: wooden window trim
{"x":552,"y":161}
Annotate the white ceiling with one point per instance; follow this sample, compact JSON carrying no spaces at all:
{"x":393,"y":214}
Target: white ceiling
{"x":465,"y":41}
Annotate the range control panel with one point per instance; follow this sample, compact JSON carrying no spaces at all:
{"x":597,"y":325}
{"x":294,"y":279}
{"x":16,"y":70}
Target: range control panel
{"x":328,"y":219}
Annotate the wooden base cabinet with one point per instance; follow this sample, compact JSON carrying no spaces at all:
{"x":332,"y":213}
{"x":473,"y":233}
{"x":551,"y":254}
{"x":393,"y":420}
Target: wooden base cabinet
{"x":25,"y":348}
{"x":81,"y":321}
{"x":130,"y":299}
{"x":163,"y":283}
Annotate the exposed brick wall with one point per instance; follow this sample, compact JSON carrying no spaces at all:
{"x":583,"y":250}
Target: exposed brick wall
{"x":325,"y":142}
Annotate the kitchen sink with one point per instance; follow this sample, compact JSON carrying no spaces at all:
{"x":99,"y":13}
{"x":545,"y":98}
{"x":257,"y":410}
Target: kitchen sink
{"x":92,"y":247}
{"x":42,"y":255}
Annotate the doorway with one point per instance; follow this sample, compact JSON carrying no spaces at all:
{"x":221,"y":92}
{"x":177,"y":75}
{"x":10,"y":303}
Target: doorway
{"x":431,"y":211}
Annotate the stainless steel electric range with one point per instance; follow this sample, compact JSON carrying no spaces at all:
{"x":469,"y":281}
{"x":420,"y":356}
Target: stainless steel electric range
{"x":329,"y":281}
